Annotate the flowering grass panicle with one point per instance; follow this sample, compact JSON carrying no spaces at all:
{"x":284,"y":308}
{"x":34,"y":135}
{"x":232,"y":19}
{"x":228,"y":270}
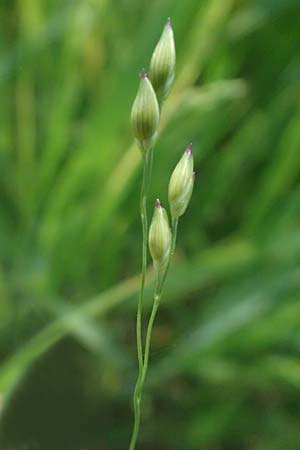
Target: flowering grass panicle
{"x":159,"y":237}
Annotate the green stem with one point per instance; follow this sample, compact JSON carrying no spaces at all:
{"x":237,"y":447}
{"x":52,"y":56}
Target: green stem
{"x":147,"y":170}
{"x":156,"y":301}
{"x":174,"y":236}
{"x":144,"y":221}
{"x":142,"y":374}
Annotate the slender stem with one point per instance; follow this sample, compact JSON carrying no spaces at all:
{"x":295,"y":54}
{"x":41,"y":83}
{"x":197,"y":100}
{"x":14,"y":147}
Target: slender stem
{"x":156,"y":301}
{"x":144,"y":221}
{"x":142,"y":375}
{"x":174,"y":236}
{"x":147,"y":170}
{"x":137,"y":416}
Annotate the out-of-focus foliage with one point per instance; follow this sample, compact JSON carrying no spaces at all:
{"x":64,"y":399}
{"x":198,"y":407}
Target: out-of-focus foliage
{"x":225,"y":368}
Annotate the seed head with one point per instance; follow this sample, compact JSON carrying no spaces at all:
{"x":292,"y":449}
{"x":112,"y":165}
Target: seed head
{"x":159,"y":237}
{"x":181,"y":184}
{"x":145,"y":113}
{"x":163,"y":61}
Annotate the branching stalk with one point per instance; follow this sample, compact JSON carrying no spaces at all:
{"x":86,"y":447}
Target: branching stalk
{"x":142,"y":373}
{"x":147,"y":170}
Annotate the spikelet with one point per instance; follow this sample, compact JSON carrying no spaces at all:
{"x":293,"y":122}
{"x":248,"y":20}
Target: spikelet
{"x":163,"y":61}
{"x":159,"y":237}
{"x":181,"y":184}
{"x":145,"y":114}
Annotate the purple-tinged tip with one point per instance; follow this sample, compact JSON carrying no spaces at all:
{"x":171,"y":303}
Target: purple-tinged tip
{"x":168,"y":24}
{"x":189,"y":149}
{"x":157,"y":203}
{"x":143,"y":74}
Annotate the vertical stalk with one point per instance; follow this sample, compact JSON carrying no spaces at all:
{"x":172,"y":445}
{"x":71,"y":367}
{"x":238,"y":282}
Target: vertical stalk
{"x":147,"y":170}
{"x":142,"y":374}
{"x":156,"y":301}
{"x":144,"y":221}
{"x":174,"y":236}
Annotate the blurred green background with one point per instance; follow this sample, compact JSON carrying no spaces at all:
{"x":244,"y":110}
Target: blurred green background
{"x":225,"y":367}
